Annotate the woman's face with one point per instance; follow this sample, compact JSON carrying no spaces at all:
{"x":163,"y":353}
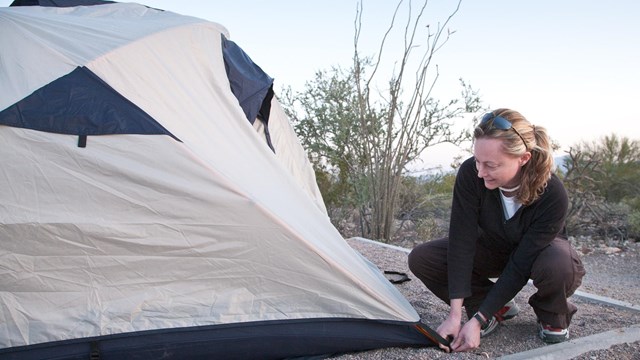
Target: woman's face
{"x":495,"y":167}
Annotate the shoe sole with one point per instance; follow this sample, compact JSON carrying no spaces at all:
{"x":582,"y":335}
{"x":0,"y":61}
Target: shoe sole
{"x":552,"y":338}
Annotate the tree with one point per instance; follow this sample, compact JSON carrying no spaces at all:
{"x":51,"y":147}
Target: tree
{"x":367,"y":137}
{"x":324,"y":118}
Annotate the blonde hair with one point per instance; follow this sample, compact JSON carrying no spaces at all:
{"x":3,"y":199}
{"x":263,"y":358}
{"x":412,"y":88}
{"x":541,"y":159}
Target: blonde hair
{"x":535,"y":174}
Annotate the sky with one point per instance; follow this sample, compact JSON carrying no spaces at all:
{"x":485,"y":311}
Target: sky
{"x":570,"y":66}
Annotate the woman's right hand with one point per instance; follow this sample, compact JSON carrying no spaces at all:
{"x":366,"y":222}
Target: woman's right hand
{"x":449,"y":329}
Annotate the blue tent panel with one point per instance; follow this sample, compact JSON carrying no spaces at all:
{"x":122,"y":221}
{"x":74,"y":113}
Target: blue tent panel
{"x":251,"y":86}
{"x":249,"y":83}
{"x":80,"y":103}
{"x":257,"y":340}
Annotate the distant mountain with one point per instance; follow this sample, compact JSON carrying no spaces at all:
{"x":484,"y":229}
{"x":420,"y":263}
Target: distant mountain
{"x":559,"y":162}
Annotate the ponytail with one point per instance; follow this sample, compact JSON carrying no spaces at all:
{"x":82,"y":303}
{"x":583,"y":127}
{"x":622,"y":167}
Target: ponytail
{"x":537,"y":171}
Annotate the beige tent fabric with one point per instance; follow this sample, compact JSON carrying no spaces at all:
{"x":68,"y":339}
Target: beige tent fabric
{"x":140,"y":232}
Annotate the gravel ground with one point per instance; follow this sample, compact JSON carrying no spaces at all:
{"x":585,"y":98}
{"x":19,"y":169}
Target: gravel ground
{"x":609,"y":273}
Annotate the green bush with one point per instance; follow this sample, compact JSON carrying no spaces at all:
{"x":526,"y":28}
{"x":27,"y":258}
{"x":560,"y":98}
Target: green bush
{"x":633,"y":222}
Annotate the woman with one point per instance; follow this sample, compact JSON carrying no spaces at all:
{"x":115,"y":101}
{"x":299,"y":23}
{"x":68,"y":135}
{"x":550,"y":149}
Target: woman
{"x":507,"y":222}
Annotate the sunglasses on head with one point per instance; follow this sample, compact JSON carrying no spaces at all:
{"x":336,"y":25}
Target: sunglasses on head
{"x":500,"y":123}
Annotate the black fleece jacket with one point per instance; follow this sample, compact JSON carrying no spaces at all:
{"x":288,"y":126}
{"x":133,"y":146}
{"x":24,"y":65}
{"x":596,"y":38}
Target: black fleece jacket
{"x":477,"y":216}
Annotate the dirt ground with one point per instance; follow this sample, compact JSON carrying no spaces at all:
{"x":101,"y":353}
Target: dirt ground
{"x":611,"y":274}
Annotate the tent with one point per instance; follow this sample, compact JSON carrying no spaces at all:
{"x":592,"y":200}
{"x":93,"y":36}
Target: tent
{"x":156,"y":203}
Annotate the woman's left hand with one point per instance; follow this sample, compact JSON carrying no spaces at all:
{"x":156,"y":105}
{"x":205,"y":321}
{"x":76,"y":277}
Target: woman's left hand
{"x":468,"y":338}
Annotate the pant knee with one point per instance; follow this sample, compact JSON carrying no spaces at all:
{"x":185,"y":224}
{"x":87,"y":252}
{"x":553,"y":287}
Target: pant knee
{"x":559,"y":267}
{"x":428,"y":260}
{"x":413,"y":260}
{"x":416,"y":262}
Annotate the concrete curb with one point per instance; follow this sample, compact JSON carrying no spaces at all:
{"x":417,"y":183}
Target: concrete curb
{"x":576,"y":347}
{"x":373,"y":242}
{"x":606,"y":300}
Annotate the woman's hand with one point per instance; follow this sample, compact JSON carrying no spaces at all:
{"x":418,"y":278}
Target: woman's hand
{"x":449,"y":330}
{"x":468,"y":338}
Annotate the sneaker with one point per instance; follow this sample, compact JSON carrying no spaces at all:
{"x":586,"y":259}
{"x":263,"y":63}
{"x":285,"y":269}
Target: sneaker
{"x":492,"y":325}
{"x":508,"y":311}
{"x":552,"y":335}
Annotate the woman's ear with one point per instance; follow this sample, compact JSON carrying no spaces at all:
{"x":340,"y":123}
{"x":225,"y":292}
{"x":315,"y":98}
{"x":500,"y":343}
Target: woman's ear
{"x":525,"y":158}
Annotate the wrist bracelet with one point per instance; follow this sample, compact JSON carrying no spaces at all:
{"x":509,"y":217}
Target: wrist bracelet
{"x":483,"y":322}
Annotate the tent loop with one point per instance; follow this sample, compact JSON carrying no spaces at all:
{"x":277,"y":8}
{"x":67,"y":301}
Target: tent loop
{"x":399,"y":279}
{"x":82,"y":141}
{"x":95,"y":351}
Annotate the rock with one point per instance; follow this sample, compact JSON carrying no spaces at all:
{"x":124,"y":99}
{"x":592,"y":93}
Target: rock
{"x":612,"y":250}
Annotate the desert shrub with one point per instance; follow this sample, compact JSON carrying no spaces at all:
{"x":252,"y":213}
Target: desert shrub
{"x":601,"y":179}
{"x":424,"y":207}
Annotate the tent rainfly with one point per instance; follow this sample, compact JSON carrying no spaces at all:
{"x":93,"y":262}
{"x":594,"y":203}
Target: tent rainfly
{"x":156,"y":202}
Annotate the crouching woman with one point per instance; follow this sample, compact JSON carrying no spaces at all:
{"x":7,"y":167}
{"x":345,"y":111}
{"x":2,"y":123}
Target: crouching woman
{"x":507,"y":222}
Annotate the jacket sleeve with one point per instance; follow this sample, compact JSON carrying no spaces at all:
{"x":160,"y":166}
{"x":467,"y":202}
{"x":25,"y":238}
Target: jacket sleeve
{"x":463,"y":230}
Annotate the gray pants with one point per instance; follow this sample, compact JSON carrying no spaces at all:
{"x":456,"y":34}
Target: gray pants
{"x":556,"y":273}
